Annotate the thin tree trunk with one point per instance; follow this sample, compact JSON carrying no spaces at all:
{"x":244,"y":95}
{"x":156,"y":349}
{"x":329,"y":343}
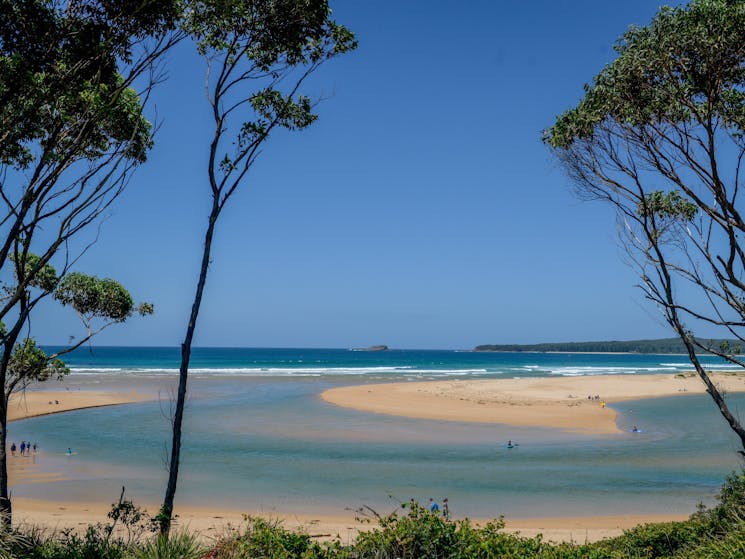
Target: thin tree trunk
{"x":6,"y":508}
{"x":716,"y":395}
{"x":674,"y":320}
{"x":166,"y":511}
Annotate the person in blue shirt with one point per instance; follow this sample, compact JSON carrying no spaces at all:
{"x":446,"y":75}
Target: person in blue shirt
{"x":433,"y":506}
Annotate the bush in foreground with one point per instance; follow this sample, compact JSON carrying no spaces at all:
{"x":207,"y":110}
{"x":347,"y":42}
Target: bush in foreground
{"x":411,"y":532}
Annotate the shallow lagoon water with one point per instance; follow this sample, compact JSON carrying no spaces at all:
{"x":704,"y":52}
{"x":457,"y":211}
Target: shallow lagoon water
{"x":265,"y":441}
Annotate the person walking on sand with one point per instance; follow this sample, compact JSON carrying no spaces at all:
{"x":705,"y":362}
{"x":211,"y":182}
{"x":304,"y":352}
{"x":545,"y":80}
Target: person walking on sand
{"x":13,"y":448}
{"x":433,"y":506}
{"x":445,"y":509}
{"x":23,"y":448}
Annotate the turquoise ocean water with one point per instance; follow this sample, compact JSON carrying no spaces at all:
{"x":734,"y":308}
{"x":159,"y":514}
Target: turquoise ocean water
{"x":258,"y":437}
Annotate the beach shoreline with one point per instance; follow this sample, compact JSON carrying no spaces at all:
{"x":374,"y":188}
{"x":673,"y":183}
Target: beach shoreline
{"x":34,"y":403}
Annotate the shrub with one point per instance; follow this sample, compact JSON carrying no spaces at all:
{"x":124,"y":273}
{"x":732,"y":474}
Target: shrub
{"x":267,"y":539}
{"x":177,"y":545}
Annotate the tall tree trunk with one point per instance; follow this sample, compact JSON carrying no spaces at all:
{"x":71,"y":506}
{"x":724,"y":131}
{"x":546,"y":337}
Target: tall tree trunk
{"x":6,"y":508}
{"x":166,"y":511}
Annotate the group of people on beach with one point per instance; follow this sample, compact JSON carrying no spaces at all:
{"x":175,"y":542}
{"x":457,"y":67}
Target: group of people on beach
{"x":435,"y":508}
{"x":25,"y":448}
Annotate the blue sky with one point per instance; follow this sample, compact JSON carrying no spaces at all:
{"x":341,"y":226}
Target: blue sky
{"x":420,"y":211}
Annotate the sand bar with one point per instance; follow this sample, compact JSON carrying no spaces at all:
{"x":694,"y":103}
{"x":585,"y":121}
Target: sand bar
{"x":27,"y":404}
{"x":556,"y":402}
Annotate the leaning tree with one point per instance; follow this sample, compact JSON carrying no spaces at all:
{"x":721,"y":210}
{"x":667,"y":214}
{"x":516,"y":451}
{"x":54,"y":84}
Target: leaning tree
{"x":74,"y":78}
{"x":659,"y":136}
{"x":259,"y":53}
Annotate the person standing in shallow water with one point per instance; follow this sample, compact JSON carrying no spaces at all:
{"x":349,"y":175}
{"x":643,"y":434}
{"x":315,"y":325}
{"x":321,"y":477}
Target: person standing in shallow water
{"x":445,"y":509}
{"x":433,"y":506}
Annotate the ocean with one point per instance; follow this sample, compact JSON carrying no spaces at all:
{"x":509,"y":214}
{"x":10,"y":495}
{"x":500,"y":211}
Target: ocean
{"x":259,"y":438}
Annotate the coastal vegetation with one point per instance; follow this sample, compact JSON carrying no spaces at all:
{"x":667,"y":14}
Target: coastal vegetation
{"x":664,"y":345}
{"x":660,"y":136}
{"x":74,"y":80}
{"x":412,"y":531}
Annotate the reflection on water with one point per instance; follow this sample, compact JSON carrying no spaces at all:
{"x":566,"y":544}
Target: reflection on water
{"x":257,"y":443}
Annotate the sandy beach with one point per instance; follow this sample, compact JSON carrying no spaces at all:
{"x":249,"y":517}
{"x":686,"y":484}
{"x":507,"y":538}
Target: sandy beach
{"x":556,"y":402}
{"x":212,"y":523}
{"x":35,"y":403}
{"x":560,"y":402}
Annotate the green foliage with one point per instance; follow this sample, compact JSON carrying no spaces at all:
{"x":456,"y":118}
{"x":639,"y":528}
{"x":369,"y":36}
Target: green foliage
{"x":30,"y":363}
{"x":687,"y":63}
{"x":268,"y":32}
{"x":144,"y":309}
{"x":130,"y":518}
{"x":262,"y":42}
{"x":94,"y":543}
{"x":177,"y":545}
{"x":668,"y":206}
{"x":652,"y":540}
{"x":92,"y":297}
{"x":42,"y":276}
{"x":59,"y":83}
{"x":267,"y":539}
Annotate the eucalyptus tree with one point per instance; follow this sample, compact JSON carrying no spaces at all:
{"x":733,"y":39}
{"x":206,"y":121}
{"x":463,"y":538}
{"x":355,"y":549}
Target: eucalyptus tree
{"x":75,"y":76}
{"x":259,"y":53}
{"x":659,"y":136}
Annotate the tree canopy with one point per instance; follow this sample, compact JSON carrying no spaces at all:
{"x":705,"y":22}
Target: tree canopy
{"x":60,"y":79}
{"x":683,"y":68}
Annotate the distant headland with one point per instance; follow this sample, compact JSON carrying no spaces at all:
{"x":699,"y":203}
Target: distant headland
{"x":664,"y":345}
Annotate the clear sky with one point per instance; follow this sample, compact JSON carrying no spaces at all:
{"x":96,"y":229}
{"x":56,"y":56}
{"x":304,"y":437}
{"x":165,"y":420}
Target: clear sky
{"x":420,"y":211}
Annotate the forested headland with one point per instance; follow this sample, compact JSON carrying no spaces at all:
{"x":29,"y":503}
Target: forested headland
{"x":664,"y":345}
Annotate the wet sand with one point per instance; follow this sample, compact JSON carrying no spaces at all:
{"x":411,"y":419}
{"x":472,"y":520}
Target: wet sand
{"x":560,"y":402}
